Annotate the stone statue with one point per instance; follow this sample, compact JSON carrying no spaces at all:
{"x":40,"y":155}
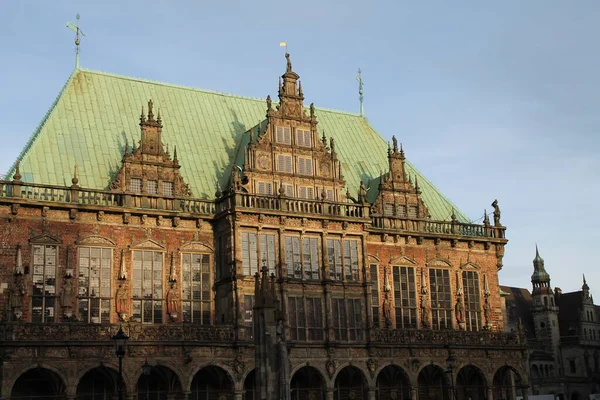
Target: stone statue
{"x":289,"y":63}
{"x":496,"y":213}
{"x":395,"y":144}
{"x":173,"y":301}
{"x":312,"y":109}
{"x":425,"y":311}
{"x":66,"y":297}
{"x":487,"y":312}
{"x":459,"y":311}
{"x":121,"y":302}
{"x":332,"y":145}
{"x":17,"y":293}
{"x":387,"y":311}
{"x":362,"y":193}
{"x":269,"y":103}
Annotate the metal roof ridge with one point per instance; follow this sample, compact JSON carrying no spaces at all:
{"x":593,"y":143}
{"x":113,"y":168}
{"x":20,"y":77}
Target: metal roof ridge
{"x":41,"y":125}
{"x":208,"y":91}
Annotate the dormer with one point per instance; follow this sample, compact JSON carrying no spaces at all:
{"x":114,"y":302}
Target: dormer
{"x":399,"y":196}
{"x":149,"y":169}
{"x":285,"y":155}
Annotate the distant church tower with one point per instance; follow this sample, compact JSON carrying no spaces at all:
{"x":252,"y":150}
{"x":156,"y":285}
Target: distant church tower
{"x":544,"y":309}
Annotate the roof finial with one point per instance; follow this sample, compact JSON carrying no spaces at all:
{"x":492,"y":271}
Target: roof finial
{"x":584,"y":282}
{"x":360,"y":92}
{"x":175,"y":153}
{"x":17,"y":176}
{"x":75,"y":28}
{"x":158,"y":119}
{"x":142,"y":116}
{"x":401,"y":150}
{"x":126,"y":147}
{"x":300,"y":94}
{"x":75,"y":179}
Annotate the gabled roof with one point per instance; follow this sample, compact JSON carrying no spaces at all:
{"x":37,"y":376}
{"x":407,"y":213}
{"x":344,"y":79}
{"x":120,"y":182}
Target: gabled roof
{"x":518,"y":307}
{"x":569,"y":310}
{"x":96,"y":113}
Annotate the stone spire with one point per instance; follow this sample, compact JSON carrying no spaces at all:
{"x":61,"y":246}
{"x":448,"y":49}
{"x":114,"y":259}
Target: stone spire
{"x":585,"y":289}
{"x":540,"y":278}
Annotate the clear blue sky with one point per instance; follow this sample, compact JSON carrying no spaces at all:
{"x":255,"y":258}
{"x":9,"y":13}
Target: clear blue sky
{"x":491,"y":99}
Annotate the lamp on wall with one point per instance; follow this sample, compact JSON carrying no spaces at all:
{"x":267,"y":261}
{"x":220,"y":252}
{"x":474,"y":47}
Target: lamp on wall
{"x":120,"y":339}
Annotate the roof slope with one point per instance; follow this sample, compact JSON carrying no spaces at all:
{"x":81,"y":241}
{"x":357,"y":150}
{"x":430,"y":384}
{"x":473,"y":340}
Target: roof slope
{"x":97,"y":113}
{"x":518,"y":307}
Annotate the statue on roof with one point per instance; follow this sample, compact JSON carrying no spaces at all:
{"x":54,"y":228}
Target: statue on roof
{"x":496,"y":213}
{"x":362,"y":193}
{"x":289,"y":63}
{"x":395,"y":142}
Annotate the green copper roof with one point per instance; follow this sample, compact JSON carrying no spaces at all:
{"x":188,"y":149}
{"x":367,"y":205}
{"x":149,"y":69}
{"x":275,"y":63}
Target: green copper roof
{"x":97,"y":113}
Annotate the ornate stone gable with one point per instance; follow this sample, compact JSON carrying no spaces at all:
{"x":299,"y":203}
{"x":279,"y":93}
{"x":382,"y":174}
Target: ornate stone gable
{"x":149,"y":169}
{"x":398,"y":196}
{"x":285,"y":154}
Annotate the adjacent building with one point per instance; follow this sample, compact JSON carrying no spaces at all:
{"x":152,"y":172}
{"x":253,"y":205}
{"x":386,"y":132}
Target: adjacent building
{"x":563,"y":335}
{"x":250,"y":249}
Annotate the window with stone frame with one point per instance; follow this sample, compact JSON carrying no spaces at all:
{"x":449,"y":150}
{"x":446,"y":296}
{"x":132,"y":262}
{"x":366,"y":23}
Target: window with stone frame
{"x":302,"y":257}
{"x":306,"y":192}
{"x":344,"y":260}
{"x":284,"y":163}
{"x":167,"y":188}
{"x":196,"y":288}
{"x":288,"y":189}
{"x":441,"y":298}
{"x":258,"y":250}
{"x":405,"y":296}
{"x":135,"y":185}
{"x":147,"y":287}
{"x":264,"y":188}
{"x":346,"y":316}
{"x":470,"y":281}
{"x":43,"y":295}
{"x":306,"y":318}
{"x":373,"y":269}
{"x":305,"y":166}
{"x":283,"y":135}
{"x":152,"y":187}
{"x":303,"y":138}
{"x":94,"y":288}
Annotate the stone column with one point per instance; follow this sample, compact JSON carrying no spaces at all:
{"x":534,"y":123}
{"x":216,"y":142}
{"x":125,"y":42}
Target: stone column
{"x":414,"y":394}
{"x":185,"y":395}
{"x":490,"y":394}
{"x":238,"y":395}
{"x":329,"y":394}
{"x":372,"y":394}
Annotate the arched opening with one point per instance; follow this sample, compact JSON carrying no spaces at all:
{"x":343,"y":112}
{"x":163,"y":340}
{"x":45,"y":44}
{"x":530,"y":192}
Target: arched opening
{"x":393,"y":384}
{"x":158,"y":383}
{"x":250,"y":386}
{"x":308,"y":384}
{"x":212,"y":383}
{"x":351,"y":384}
{"x":433,"y":384}
{"x":507,"y":384}
{"x":98,"y":384}
{"x":470,"y":384}
{"x":535,"y":372}
{"x":38,"y":383}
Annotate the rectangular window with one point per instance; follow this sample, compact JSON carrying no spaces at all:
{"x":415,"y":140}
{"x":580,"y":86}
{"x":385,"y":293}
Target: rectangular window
{"x":43,"y":295}
{"x":305,"y":166}
{"x":334,"y":257}
{"x":401,"y":211}
{"x":147,"y":287}
{"x":283,"y":135}
{"x":264,"y":188}
{"x":152,"y":187}
{"x":297,"y":318}
{"x":472,"y":300}
{"x":306,"y":193}
{"x":412,"y":212}
{"x":330,"y":195}
{"x":441,"y":303}
{"x":248,"y":314}
{"x":302,"y":259}
{"x":314,"y":314}
{"x":196,"y":288}
{"x":256,"y":252}
{"x":405,"y":297}
{"x":347,"y":319}
{"x":167,"y":188}
{"x":303,"y":138}
{"x":284,"y":163}
{"x":388,"y":209}
{"x":94,"y":284}
{"x":351,"y":260}
{"x":135,"y":185}
{"x":375,"y":295}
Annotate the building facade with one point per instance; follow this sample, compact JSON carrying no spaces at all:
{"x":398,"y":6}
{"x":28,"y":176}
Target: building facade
{"x":230,"y":228}
{"x":563,"y":335}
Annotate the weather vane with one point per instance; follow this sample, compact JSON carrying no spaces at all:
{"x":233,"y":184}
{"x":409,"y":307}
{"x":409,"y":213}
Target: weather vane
{"x":78,"y":32}
{"x":360,"y":92}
